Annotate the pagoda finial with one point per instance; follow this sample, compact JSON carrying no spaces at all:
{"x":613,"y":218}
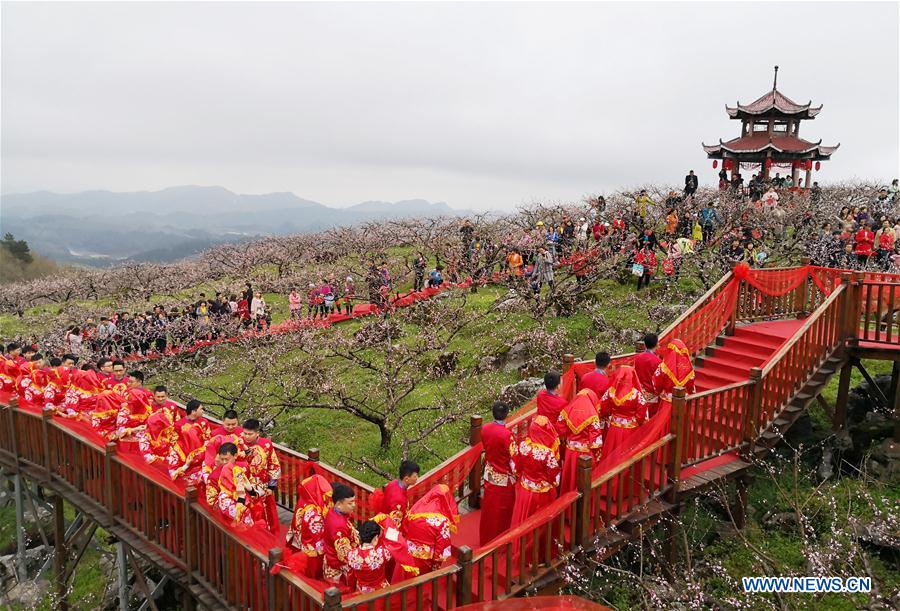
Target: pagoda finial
{"x":775,"y":81}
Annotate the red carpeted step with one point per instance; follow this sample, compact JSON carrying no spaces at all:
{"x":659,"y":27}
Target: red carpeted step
{"x":712,"y":380}
{"x":737,"y":357}
{"x":767,"y":337}
{"x":749,"y":345}
{"x":725,"y":369}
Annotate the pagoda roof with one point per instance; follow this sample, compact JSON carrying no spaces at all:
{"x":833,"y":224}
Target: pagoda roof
{"x":759,"y":143}
{"x":774,"y":101}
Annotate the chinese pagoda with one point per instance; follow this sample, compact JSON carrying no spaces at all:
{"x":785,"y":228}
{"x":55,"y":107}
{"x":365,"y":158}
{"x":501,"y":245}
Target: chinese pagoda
{"x":770,"y":136}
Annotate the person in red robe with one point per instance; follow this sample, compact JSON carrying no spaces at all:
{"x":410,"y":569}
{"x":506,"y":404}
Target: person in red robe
{"x":623,"y":408}
{"x":133,"y":413}
{"x":549,"y":403}
{"x":82,"y":393}
{"x":57,"y":381}
{"x":499,"y":479}
{"x":395,"y":501}
{"x":597,"y":380}
{"x":306,"y":534}
{"x":428,"y":527}
{"x":264,"y":471}
{"x":584,"y":436}
{"x":676,"y":369}
{"x":228,"y":491}
{"x":118,"y":381}
{"x":340,"y":535}
{"x":189,"y":444}
{"x":9,"y":367}
{"x":368,"y":563}
{"x":155,"y":441}
{"x":863,"y":241}
{"x":537,"y":469}
{"x":230,"y":424}
{"x":645,"y":365}
{"x":212,"y":449}
{"x":30,"y":382}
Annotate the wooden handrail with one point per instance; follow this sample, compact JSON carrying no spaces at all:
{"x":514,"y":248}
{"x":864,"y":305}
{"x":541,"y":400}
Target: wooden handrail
{"x":642,"y":454}
{"x":298,"y":582}
{"x":798,"y":335}
{"x":699,"y":303}
{"x":402,"y":586}
{"x":715,"y":391}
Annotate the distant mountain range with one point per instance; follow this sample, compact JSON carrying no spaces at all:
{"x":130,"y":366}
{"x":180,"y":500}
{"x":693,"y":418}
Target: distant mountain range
{"x":102,"y":228}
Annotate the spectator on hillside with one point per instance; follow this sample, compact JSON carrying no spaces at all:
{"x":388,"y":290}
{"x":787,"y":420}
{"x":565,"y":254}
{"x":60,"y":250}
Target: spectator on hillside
{"x":543,"y":271}
{"x":419,"y":265}
{"x":349,"y":295}
{"x":691,"y":183}
{"x":295,"y":304}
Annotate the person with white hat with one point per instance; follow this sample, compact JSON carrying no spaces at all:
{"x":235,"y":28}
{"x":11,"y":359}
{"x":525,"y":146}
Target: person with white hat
{"x":348,"y":295}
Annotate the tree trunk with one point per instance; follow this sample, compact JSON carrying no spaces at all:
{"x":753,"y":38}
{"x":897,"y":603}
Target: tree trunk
{"x":386,"y":435}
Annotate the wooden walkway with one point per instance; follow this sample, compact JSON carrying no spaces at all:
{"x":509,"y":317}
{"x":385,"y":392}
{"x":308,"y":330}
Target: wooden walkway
{"x":762,"y":357}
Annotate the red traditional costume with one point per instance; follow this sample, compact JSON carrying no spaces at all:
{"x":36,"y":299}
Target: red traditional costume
{"x":119,"y":385}
{"x":549,"y":405}
{"x":156,"y":440}
{"x":188,"y":449}
{"x":368,"y":566}
{"x":132,"y":417}
{"x":499,"y":481}
{"x":340,"y":538}
{"x":56,"y":384}
{"x":220,"y":430}
{"x":212,"y":448}
{"x":226,"y":485}
{"x":264,"y":471}
{"x":30,"y":384}
{"x":428,"y":526}
{"x":584,"y":435}
{"x":306,"y":534}
{"x":645,"y":365}
{"x":623,"y":407}
{"x":675,"y":369}
{"x":864,"y":240}
{"x":9,"y":371}
{"x":105,"y":412}
{"x":537,"y":469}
{"x":597,"y":381}
{"x":395,"y":501}
{"x":81,"y":395}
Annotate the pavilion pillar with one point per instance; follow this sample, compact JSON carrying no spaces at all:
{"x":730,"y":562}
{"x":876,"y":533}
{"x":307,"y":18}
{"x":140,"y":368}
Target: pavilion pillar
{"x":808,"y":177}
{"x":795,"y":175}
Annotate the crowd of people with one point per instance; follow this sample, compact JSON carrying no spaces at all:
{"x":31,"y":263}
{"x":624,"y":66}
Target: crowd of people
{"x":861,"y":238}
{"x":238,"y":470}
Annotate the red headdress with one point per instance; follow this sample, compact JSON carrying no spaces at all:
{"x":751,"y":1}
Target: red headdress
{"x":677,"y":363}
{"x":314,"y":490}
{"x":542,"y":432}
{"x":582,"y":411}
{"x":87,"y":381}
{"x":624,"y":386}
{"x":438,"y":500}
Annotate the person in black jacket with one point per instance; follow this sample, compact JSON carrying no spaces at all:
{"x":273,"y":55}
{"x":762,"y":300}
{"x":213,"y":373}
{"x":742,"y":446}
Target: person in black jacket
{"x":690,"y":184}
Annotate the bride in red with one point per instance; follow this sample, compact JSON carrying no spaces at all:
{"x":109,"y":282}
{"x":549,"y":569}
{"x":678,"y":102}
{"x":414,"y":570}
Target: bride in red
{"x":676,"y":369}
{"x":306,"y":535}
{"x":584,"y":435}
{"x":623,"y":408}
{"x":537,"y":469}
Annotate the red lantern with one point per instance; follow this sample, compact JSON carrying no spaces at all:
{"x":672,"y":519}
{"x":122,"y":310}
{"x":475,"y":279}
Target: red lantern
{"x":728,"y":164}
{"x":715,"y":163}
{"x":795,"y":163}
{"x":808,"y":164}
{"x":818,"y":165}
{"x":768,"y":163}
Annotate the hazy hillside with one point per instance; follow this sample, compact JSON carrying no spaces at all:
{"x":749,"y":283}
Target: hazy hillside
{"x":102,"y":227}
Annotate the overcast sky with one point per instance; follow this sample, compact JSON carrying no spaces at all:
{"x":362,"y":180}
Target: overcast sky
{"x":478,"y":105}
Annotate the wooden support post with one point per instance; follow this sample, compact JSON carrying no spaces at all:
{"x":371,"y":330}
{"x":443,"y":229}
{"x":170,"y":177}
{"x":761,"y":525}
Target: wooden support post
{"x":59,"y":552}
{"x":313,"y":454}
{"x":122,"y":562}
{"x":753,"y":419}
{"x":583,"y":520}
{"x":464,"y":577}
{"x":112,"y":482}
{"x":847,"y":331}
{"x":843,"y":395}
{"x":475,"y":475}
{"x":675,"y":458}
{"x":567,"y":362}
{"x":18,"y":493}
{"x":275,"y":555}
{"x":732,"y":318}
{"x":332,"y":600}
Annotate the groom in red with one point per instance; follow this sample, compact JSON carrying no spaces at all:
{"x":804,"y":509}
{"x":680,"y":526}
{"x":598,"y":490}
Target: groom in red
{"x":499,"y":481}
